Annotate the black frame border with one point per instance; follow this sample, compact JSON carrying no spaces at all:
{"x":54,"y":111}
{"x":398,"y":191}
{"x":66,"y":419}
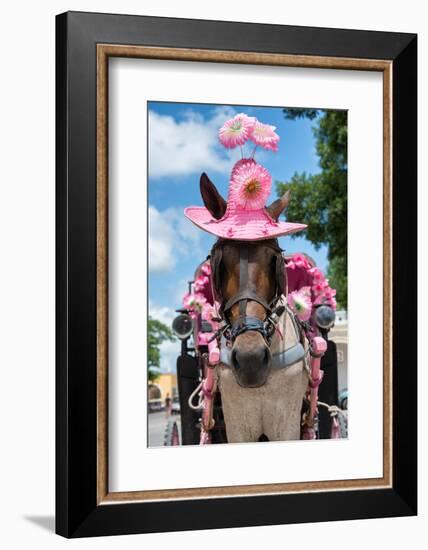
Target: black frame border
{"x":77,"y":512}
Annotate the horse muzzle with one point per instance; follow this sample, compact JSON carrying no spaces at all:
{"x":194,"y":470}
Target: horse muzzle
{"x":250,"y":360}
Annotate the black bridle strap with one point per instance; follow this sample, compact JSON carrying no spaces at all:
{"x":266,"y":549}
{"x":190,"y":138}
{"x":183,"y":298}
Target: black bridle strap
{"x":250,"y":323}
{"x":246,"y":294}
{"x":243,"y":282}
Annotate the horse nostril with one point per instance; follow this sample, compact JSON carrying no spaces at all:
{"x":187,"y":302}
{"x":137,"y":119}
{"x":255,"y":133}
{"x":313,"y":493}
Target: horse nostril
{"x":256,"y":359}
{"x":267,"y":356}
{"x":234,"y":359}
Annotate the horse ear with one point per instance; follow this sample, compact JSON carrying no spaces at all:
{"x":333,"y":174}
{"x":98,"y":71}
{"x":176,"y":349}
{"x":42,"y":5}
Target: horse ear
{"x":277,"y":207}
{"x":213,"y":201}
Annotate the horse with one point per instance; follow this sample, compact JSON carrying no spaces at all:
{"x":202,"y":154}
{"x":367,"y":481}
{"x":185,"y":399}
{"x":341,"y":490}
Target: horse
{"x":263,"y":371}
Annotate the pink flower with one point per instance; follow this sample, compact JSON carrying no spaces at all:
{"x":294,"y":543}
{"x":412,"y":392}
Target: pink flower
{"x":194,"y":302}
{"x":206,"y":268}
{"x":240,"y":163}
{"x":301,"y":261}
{"x":319,"y":287}
{"x":326,"y":297}
{"x":300,"y":303}
{"x":298,"y":260}
{"x":329,"y":293}
{"x":317,"y":275}
{"x":200,"y":283}
{"x":265,"y":136}
{"x":207,"y":312}
{"x":250,"y":186}
{"x":236,"y":131}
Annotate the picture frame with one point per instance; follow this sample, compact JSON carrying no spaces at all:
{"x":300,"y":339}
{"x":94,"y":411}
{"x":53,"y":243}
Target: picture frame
{"x":84,"y":44}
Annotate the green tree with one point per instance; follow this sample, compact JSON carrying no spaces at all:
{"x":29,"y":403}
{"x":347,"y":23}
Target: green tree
{"x":157,"y":333}
{"x":320,"y":200}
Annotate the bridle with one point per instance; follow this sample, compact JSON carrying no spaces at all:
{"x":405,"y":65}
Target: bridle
{"x":266,"y":327}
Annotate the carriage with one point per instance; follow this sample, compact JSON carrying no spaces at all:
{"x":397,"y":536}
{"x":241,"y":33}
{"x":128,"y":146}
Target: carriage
{"x":199,"y":395}
{"x":254,"y":324}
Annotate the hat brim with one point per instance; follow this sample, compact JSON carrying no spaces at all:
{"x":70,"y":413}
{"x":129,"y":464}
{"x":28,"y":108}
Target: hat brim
{"x":250,"y":225}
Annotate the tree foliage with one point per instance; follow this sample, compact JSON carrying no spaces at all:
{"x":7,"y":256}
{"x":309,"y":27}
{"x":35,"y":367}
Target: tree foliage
{"x":320,"y":200}
{"x":157,"y":333}
{"x":295,"y":113}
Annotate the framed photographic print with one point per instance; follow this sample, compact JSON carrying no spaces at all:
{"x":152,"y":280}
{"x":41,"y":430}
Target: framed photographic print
{"x":236,"y":245}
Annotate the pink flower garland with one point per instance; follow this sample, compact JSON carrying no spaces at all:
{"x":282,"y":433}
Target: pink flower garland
{"x":197,"y":304}
{"x":299,"y":261}
{"x":321,"y":292}
{"x":194,"y":302}
{"x":206,"y":268}
{"x":208,"y":312}
{"x":200,"y":283}
{"x":300,"y":303}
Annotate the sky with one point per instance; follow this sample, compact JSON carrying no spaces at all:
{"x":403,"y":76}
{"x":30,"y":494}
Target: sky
{"x":183,"y":143}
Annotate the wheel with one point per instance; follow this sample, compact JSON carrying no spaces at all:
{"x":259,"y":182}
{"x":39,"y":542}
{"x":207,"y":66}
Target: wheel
{"x":172,"y":436}
{"x":343,"y":399}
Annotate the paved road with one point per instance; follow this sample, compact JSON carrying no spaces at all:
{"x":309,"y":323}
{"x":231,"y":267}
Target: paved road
{"x":157,"y":426}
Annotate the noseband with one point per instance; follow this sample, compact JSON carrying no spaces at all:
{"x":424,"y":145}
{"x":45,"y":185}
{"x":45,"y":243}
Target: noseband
{"x":266,"y":327}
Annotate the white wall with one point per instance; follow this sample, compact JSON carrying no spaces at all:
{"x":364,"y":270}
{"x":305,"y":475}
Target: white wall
{"x":27,"y":268}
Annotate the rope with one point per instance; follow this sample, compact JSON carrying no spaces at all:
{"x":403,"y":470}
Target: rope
{"x":334,"y":410}
{"x":200,"y":404}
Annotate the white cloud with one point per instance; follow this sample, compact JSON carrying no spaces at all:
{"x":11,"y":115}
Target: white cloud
{"x":188,"y":146}
{"x":171,"y":234}
{"x":161,"y":241}
{"x":169,"y":351}
{"x":163,"y":314}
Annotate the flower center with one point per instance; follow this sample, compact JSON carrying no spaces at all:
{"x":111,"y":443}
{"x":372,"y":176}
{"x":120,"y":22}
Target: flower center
{"x":252,"y":186}
{"x":236,"y":126}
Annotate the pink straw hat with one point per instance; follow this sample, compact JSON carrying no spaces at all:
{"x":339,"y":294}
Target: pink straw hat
{"x":245,"y":215}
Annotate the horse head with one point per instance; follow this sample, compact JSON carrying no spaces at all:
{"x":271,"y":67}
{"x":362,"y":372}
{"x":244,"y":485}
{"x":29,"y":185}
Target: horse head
{"x":248,"y":278}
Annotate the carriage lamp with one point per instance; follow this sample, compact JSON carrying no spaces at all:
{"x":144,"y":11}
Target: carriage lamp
{"x":182,"y":326}
{"x":324,"y":317}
